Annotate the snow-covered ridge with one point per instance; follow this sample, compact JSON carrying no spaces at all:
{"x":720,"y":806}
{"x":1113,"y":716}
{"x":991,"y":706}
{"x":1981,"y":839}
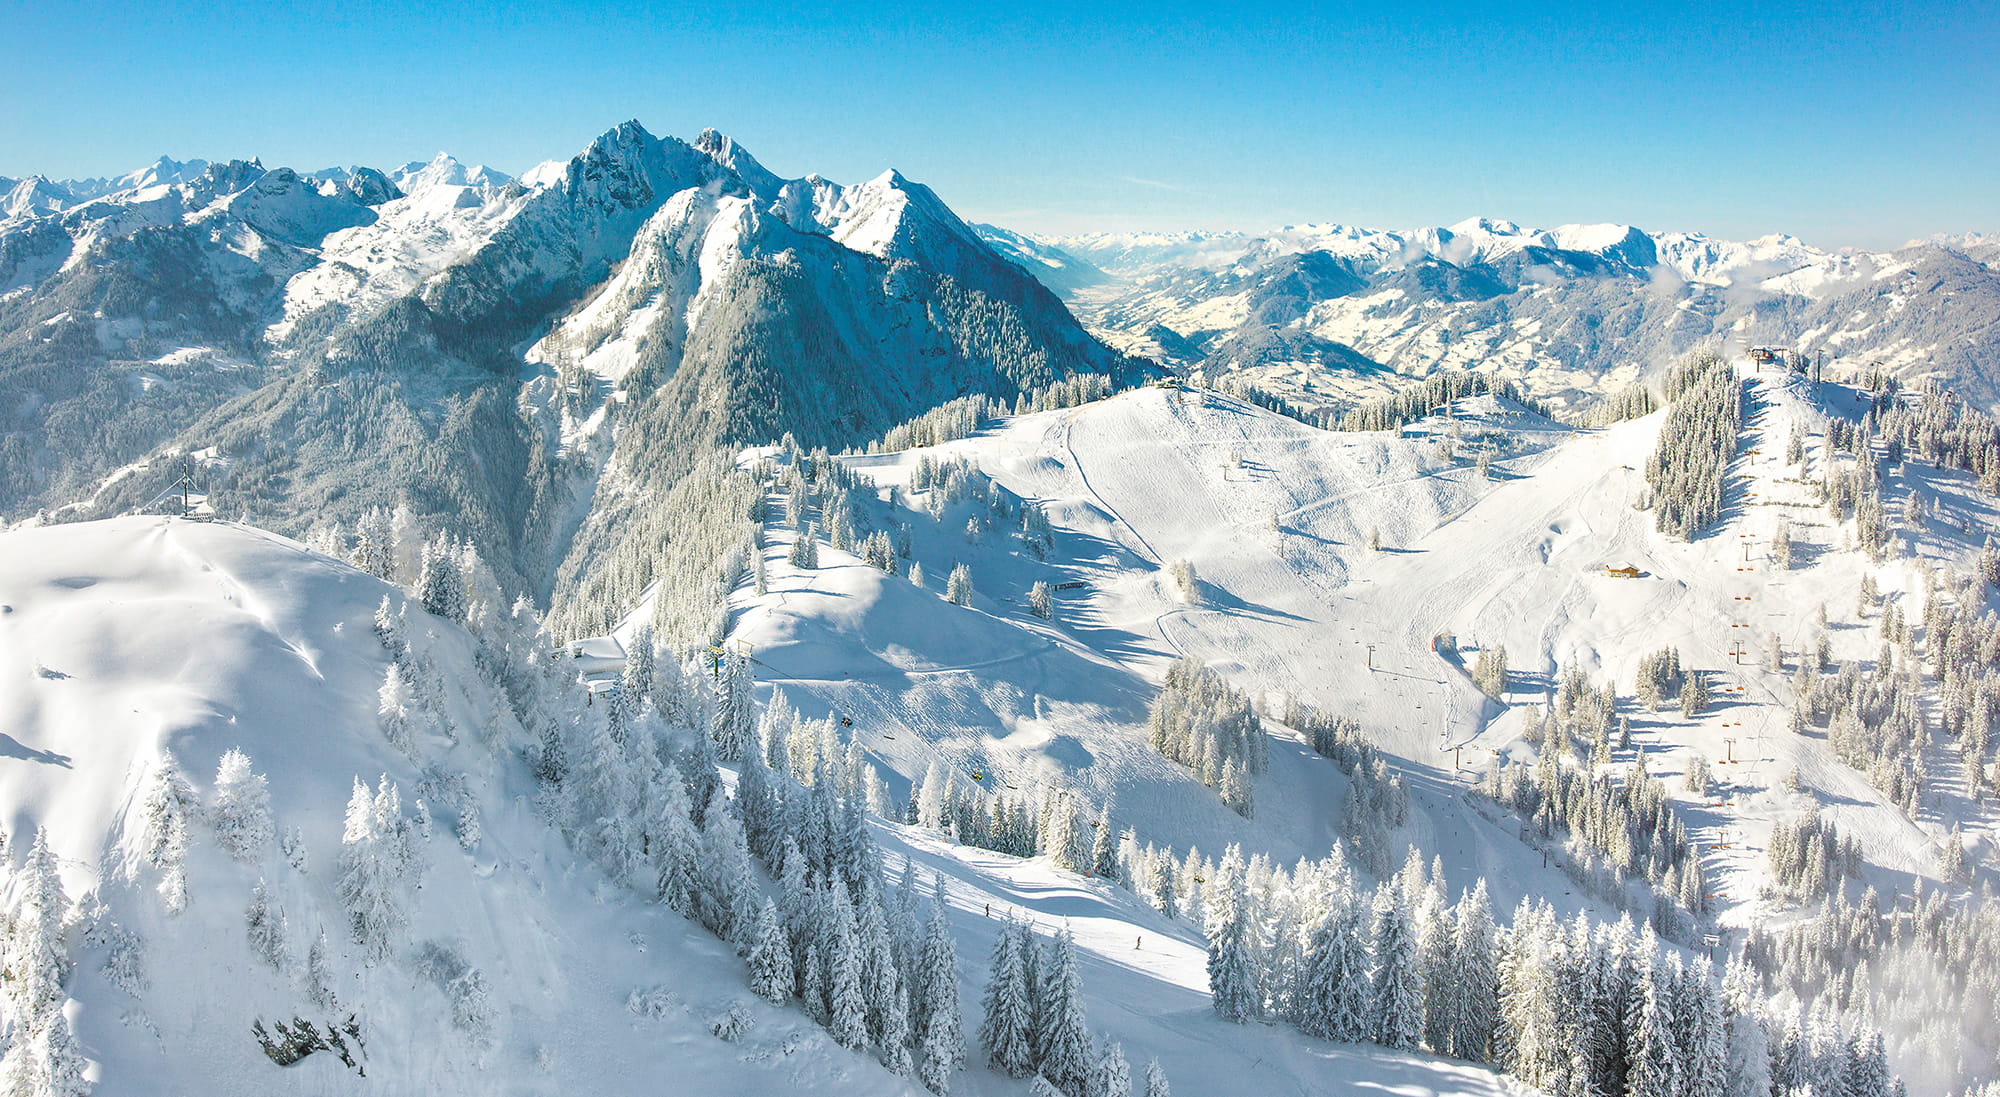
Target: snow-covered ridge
{"x":372,"y":235}
{"x":1692,"y":256}
{"x":213,"y":905}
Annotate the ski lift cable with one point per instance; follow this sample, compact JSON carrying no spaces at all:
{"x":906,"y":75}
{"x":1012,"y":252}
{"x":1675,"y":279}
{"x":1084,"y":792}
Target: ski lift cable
{"x":185,"y":481}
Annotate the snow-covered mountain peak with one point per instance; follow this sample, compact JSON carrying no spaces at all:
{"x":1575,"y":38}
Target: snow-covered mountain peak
{"x":443,"y":170}
{"x":221,"y":179}
{"x":166,"y":171}
{"x":627,"y":167}
{"x":285,"y":207}
{"x":893,"y":218}
{"x":369,"y":187}
{"x":1598,"y":238}
{"x":724,"y":150}
{"x":35,"y":196}
{"x":1484,"y":226}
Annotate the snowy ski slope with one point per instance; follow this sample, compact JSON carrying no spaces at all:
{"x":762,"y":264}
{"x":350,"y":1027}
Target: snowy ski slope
{"x":1276,"y":517}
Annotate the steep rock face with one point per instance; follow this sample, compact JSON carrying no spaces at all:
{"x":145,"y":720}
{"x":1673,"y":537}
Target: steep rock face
{"x":357,"y":338}
{"x":747,"y":311}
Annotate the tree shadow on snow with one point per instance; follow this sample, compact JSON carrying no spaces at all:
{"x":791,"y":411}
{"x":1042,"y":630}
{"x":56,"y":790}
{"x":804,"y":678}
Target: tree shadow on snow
{"x":1119,"y":643}
{"x":11,"y":747}
{"x":1216,"y":598}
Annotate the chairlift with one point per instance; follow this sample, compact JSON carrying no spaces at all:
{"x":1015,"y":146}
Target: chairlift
{"x":846,"y":723}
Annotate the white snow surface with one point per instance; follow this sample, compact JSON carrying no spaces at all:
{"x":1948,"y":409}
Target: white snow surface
{"x":129,"y":637}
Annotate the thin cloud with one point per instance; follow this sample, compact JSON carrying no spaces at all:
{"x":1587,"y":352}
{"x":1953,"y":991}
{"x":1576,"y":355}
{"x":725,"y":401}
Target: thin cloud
{"x":1154,"y":183}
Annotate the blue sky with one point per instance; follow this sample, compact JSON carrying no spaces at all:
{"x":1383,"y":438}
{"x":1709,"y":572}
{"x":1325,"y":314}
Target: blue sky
{"x":1845,"y":124}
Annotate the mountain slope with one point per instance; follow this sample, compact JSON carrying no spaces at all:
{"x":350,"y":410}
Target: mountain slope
{"x":520,"y":968}
{"x":222,"y":638}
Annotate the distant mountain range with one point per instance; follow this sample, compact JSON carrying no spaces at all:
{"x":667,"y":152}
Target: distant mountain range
{"x":482,"y":348}
{"x":1320,"y":313}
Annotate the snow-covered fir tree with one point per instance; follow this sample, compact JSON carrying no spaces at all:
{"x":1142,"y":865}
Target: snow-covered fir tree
{"x":1397,"y":977}
{"x":771,"y":958}
{"x":1062,"y":1041}
{"x":1005,"y":1033}
{"x":940,"y":1033}
{"x":170,"y":806}
{"x":1111,"y":1076}
{"x":240,"y":809}
{"x":379,"y":865}
{"x":1232,"y":966}
{"x":266,"y":924}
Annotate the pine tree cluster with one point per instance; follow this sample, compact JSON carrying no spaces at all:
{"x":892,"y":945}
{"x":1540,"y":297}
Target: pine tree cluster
{"x":648,"y":806}
{"x":962,"y":417}
{"x":1054,"y":825}
{"x":1489,"y":671}
{"x":1879,"y":718}
{"x":1631,"y":402}
{"x":1938,"y":427}
{"x":1926,"y":970}
{"x":1442,"y":387}
{"x":39,"y":1054}
{"x":1614,"y":832}
{"x":1250,"y":392}
{"x":1658,"y":679}
{"x":1378,"y":800}
{"x":1809,"y":859}
{"x":1203,"y":723}
{"x":1575,"y":1009}
{"x":689,"y":544}
{"x":1033,"y":1018}
{"x":1697,"y":441}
